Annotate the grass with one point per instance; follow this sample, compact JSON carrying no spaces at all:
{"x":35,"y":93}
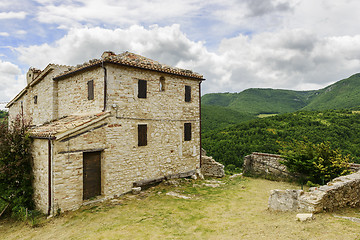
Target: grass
{"x":266,"y":115}
{"x":236,"y":210}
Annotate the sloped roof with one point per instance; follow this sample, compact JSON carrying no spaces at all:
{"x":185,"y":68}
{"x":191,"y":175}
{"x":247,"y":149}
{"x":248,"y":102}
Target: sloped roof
{"x":67,"y":125}
{"x":41,"y":75}
{"x":132,"y":60}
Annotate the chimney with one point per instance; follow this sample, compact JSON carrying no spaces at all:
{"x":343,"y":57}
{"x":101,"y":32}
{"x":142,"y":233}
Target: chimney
{"x":32,"y":74}
{"x":107,"y":54}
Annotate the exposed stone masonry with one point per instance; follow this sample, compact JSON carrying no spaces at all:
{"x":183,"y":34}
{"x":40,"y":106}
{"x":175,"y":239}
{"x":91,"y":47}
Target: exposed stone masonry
{"x":209,"y":167}
{"x":341,"y":192}
{"x":266,"y":165}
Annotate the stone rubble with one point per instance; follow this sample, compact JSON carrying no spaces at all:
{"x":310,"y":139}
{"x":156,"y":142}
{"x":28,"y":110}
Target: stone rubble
{"x":341,"y":192}
{"x":353,"y":219}
{"x":211,"y":168}
{"x":302,"y":217}
{"x":136,"y":190}
{"x":236,"y":175}
{"x":177,"y":195}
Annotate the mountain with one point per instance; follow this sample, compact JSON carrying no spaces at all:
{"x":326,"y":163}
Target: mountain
{"x":253,"y":102}
{"x":340,"y":95}
{"x":260,"y":101}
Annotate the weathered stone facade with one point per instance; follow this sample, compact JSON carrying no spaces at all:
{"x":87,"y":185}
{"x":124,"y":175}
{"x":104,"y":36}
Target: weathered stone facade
{"x":341,"y":192}
{"x":69,"y":124}
{"x":266,"y":165}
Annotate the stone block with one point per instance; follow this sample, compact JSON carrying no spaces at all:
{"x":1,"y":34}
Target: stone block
{"x":304,"y":217}
{"x":136,"y":190}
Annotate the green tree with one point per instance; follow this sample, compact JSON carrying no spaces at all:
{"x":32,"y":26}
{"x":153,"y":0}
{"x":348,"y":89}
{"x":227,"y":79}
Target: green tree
{"x":318,"y":163}
{"x":15,"y":167}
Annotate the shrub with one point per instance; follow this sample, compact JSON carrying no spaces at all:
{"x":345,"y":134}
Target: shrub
{"x":318,"y":163}
{"x":16,"y":190}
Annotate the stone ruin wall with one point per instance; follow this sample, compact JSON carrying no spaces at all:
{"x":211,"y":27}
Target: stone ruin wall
{"x":266,"y":165}
{"x":341,"y":192}
{"x":209,"y":167}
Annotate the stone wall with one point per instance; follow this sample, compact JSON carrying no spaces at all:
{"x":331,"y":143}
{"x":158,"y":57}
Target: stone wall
{"x":44,"y":89}
{"x":209,"y":167}
{"x":40,"y":172}
{"x":341,"y":192}
{"x":266,"y":165}
{"x":123,"y":162}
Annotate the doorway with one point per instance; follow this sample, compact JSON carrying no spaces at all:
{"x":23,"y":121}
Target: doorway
{"x":91,"y":174}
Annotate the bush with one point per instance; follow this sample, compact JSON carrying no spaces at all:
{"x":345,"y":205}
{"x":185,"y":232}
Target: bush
{"x":317,"y":163}
{"x":16,"y":190}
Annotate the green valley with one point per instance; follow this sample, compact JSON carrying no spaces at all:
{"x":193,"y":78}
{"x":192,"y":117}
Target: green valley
{"x":229,"y":145}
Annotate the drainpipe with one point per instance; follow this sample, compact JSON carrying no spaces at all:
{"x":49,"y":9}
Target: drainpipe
{"x":200,"y":119}
{"x":49,"y":176}
{"x":105,"y":85}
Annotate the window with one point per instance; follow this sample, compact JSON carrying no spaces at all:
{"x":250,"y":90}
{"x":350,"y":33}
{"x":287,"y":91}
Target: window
{"x":90,"y":89}
{"x":162,"y":84}
{"x":35,"y":99}
{"x":142,"y":135}
{"x":187,"y":93}
{"x":187,"y":131}
{"x":142,"y":88}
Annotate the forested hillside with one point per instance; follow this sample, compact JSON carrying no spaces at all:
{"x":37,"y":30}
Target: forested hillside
{"x":231,"y":144}
{"x":340,"y":95}
{"x":220,"y":109}
{"x":214,"y":117}
{"x":257,"y":101}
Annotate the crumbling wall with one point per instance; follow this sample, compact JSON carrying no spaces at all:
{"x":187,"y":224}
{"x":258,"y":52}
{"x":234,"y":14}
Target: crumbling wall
{"x":341,"y":192}
{"x":209,"y":167}
{"x":266,"y":165}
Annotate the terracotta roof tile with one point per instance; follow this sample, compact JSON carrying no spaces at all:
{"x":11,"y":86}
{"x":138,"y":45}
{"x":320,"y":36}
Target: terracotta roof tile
{"x":133,"y":60}
{"x":64,"y":124}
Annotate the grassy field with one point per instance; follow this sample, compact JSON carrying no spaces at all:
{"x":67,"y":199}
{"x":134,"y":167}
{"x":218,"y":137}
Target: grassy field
{"x":236,"y":210}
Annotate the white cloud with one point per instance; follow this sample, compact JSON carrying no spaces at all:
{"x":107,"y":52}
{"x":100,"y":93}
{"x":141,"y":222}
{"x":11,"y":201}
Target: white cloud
{"x":291,"y":59}
{"x":12,"y":15}
{"x":4,"y":34}
{"x":123,"y":13}
{"x":21,"y":32}
{"x":167,"y":44}
{"x":11,"y":80}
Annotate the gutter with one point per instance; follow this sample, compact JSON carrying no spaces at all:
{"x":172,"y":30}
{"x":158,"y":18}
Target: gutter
{"x":105,"y":85}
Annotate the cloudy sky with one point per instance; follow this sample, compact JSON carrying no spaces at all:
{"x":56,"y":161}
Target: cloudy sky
{"x":235,"y":44}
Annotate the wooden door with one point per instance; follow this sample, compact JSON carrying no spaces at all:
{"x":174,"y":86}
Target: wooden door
{"x":91,"y":174}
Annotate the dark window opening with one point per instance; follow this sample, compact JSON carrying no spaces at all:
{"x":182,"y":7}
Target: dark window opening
{"x":187,"y":131}
{"x":187,"y":93}
{"x":142,"y":135}
{"x":162,"y":84}
{"x":35,"y":99}
{"x":142,"y":88}
{"x":90,"y":89}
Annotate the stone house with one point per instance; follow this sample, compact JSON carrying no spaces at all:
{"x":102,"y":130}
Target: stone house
{"x":102,"y":127}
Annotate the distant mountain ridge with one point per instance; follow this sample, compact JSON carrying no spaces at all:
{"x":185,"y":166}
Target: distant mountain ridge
{"x":344,"y":94}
